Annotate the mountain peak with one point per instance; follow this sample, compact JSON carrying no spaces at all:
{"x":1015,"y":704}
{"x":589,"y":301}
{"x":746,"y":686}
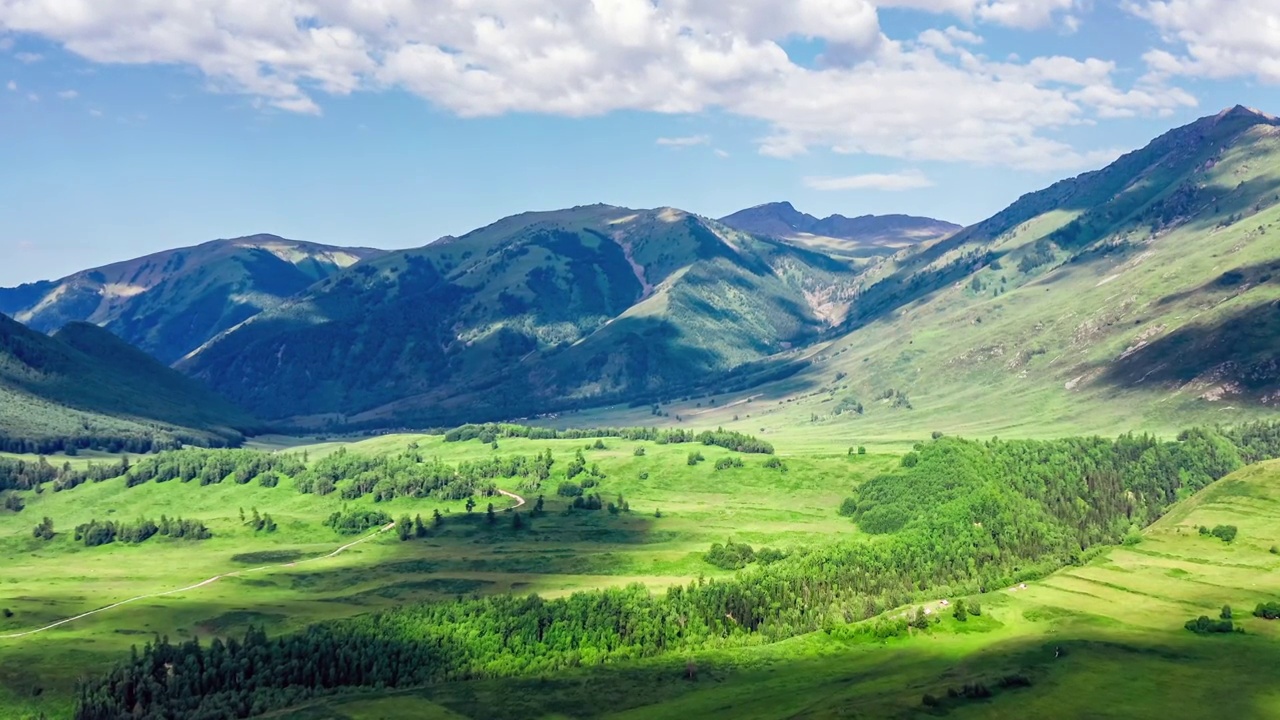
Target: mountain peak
{"x":1246,"y":112}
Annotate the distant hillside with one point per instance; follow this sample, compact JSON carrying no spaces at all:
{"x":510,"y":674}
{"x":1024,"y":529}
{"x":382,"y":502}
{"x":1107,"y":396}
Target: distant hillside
{"x":86,"y":385}
{"x":867,"y":235}
{"x":536,"y":312}
{"x":1142,"y":295}
{"x":172,"y":302}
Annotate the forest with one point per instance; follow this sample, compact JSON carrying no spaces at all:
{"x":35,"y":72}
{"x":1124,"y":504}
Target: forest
{"x":957,"y":517}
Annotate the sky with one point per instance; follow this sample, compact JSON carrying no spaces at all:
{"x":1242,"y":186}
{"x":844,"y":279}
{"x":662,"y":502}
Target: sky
{"x":133,"y":126}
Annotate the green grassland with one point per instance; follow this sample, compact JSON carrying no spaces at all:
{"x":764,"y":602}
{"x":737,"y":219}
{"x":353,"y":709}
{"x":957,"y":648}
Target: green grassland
{"x":43,"y":582}
{"x":1099,"y":640}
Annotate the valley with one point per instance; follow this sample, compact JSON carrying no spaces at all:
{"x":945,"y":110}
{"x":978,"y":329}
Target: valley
{"x":641,"y":463}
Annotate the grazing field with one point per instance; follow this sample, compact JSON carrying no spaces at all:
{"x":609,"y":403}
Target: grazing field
{"x":1102,"y":640}
{"x":677,"y":511}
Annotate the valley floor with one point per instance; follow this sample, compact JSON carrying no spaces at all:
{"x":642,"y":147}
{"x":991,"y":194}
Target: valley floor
{"x":1102,"y":640}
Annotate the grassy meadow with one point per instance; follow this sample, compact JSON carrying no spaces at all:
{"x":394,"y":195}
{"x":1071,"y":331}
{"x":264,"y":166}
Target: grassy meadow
{"x":1100,"y":640}
{"x":43,"y":582}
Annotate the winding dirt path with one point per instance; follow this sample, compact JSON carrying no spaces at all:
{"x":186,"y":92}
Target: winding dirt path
{"x":520,"y":502}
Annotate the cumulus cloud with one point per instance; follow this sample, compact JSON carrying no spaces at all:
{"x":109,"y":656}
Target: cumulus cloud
{"x":1214,"y":39}
{"x":890,"y":182}
{"x":927,"y":98}
{"x":688,"y":141}
{"x":68,"y":94}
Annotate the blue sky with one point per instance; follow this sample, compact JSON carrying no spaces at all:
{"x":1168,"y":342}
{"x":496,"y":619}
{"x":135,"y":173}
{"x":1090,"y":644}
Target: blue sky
{"x":130,"y":126}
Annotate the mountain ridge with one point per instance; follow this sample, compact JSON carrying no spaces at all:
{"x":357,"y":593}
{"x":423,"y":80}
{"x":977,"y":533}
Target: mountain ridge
{"x":170,"y":302}
{"x":84,"y":387}
{"x":872,"y":234}
{"x":554,"y":307}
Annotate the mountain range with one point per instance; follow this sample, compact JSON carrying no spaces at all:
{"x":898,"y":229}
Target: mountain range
{"x":1125,"y":297}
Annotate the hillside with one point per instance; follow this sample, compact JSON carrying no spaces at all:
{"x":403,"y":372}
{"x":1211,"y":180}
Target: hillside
{"x":537,"y":312}
{"x":1143,"y":295}
{"x":172,"y":302}
{"x":863,"y":236}
{"x":86,"y":388}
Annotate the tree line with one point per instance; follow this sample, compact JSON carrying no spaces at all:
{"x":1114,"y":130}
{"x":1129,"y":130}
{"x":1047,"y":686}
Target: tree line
{"x":103,"y":532}
{"x":728,"y":439}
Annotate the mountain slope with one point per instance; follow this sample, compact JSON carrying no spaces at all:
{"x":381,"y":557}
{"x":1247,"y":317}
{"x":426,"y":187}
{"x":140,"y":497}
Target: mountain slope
{"x":172,"y":302}
{"x":1143,"y":295}
{"x":535,"y":312}
{"x":863,"y":236}
{"x":85,"y":387}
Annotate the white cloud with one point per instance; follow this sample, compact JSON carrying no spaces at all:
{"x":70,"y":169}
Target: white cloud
{"x":6,"y":44}
{"x":688,"y":141}
{"x":28,"y":58}
{"x":95,"y":112}
{"x":33,"y":97}
{"x":68,"y":94}
{"x":721,"y":153}
{"x":927,"y":99}
{"x":11,"y":86}
{"x":1214,"y":39}
{"x":889,"y":182}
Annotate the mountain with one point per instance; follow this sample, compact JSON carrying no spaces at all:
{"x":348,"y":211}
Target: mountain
{"x":536,"y":312}
{"x":87,"y":385}
{"x":1142,"y":295}
{"x":867,"y":234}
{"x":172,"y":302}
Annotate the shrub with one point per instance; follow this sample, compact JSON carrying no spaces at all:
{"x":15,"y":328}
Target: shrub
{"x":569,"y":489}
{"x":849,"y":507}
{"x":1226,"y":533}
{"x":1203,"y":625}
{"x":639,"y":452}
{"x":725,"y":463}
{"x":695,"y":457}
{"x":1267,"y":611}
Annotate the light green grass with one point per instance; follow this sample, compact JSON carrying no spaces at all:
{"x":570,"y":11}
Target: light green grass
{"x":45,"y":582}
{"x":1118,"y":619}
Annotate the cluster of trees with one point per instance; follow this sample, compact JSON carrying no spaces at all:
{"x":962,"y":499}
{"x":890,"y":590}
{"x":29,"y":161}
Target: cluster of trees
{"x":44,"y":531}
{"x":103,"y":532}
{"x":354,"y":522}
{"x":728,"y":439}
{"x":1040,"y":499}
{"x":123,"y":442}
{"x":1225,"y":533}
{"x":727,"y":462}
{"x":735,"y":556}
{"x":1267,"y":610}
{"x":211,"y":467}
{"x":1204,"y":625}
{"x":33,"y":474}
{"x":260,"y":522}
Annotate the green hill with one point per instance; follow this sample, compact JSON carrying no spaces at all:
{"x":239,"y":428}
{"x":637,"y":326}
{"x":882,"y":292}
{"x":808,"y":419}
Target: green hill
{"x":535,"y":313}
{"x":172,"y":302}
{"x":84,"y":387}
{"x":1143,"y":295}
